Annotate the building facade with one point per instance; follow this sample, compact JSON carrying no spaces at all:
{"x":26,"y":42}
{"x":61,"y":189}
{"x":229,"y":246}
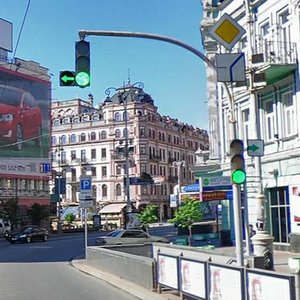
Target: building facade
{"x":90,"y":140}
{"x":265,"y":106}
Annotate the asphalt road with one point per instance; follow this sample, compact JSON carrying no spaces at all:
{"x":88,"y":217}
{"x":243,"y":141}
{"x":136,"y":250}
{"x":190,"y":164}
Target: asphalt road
{"x":42,"y":271}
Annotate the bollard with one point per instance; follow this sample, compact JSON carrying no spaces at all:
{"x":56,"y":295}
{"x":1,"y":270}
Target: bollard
{"x":263,"y":246}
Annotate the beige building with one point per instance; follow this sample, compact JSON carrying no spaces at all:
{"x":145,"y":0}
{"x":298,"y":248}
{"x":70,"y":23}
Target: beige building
{"x":91,"y":140}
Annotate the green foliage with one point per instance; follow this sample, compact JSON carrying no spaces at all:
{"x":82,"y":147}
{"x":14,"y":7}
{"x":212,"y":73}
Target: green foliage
{"x":70,"y":217}
{"x":38,"y":213}
{"x":188,"y":213}
{"x":148,"y":215}
{"x":9,"y":211}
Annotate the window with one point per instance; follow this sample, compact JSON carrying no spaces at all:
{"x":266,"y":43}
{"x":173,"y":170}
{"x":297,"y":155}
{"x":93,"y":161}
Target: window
{"x":73,"y":155}
{"x":125,"y":132}
{"x":289,"y":115}
{"x":118,"y":170}
{"x":93,"y":170}
{"x":117,"y":117}
{"x":103,"y":135}
{"x":73,"y":175}
{"x":83,"y":155}
{"x":245,"y":123}
{"x":142,"y":149}
{"x":83,"y":137}
{"x":125,"y":116}
{"x":93,"y":136}
{"x":103,"y":153}
{"x":73,"y":138}
{"x":142,"y":131}
{"x":104,"y":190}
{"x":118,"y":190}
{"x":117,"y":133}
{"x":269,"y":120}
{"x":104,"y":171}
{"x":63,"y":139}
{"x":53,"y":140}
{"x":93,"y":154}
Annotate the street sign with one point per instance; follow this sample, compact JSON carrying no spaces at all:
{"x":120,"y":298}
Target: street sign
{"x":230,"y":67}
{"x":227,"y":31}
{"x":216,"y":181}
{"x":86,"y":185}
{"x":255,"y":147}
{"x":173,"y":200}
{"x":85,"y":201}
{"x":66,"y":78}
{"x":139,"y":181}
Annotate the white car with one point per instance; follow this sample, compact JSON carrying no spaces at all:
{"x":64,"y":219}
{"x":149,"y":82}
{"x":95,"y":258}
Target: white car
{"x":4,"y":228}
{"x":129,"y":236}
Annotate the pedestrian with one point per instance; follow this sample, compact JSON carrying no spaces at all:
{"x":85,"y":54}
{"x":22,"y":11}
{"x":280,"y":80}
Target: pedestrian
{"x":252,"y":232}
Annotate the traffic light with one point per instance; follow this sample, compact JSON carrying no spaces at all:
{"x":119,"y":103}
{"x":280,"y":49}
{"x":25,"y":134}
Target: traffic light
{"x":66,"y":78}
{"x":82,"y":64}
{"x":237,"y":162}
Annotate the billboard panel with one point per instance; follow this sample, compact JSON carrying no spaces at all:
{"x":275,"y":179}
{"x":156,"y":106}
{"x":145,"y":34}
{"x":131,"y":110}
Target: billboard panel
{"x":24,"y":124}
{"x":6,"y":35}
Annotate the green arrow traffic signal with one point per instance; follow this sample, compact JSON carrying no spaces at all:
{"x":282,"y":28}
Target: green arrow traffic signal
{"x":252,"y":147}
{"x":66,"y":78}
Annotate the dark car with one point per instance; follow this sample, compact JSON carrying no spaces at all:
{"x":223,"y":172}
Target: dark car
{"x":129,"y":236}
{"x":29,"y":234}
{"x":20,"y":117}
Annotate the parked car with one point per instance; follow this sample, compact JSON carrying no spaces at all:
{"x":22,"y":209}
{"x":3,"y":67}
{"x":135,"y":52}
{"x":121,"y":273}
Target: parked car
{"x":129,"y":236}
{"x":18,"y":112}
{"x":4,"y":228}
{"x":29,"y":234}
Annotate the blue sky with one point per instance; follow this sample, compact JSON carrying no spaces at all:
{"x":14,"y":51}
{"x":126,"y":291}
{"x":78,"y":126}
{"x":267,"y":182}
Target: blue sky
{"x":174,"y":77}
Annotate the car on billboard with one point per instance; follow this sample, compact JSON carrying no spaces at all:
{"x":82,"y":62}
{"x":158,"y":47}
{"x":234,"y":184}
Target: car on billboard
{"x":20,"y":117}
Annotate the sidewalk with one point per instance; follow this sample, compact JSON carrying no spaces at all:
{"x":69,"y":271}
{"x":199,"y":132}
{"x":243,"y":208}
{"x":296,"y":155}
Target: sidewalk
{"x":280,"y":265}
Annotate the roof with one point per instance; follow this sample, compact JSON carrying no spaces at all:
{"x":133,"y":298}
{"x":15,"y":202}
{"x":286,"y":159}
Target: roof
{"x":112,"y":208}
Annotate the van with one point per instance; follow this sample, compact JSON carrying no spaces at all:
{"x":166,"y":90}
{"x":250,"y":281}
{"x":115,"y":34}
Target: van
{"x":4,"y":228}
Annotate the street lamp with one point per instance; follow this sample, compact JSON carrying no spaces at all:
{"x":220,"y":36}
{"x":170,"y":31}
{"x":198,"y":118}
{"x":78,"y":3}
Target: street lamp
{"x":123,"y":94}
{"x":178,"y":165}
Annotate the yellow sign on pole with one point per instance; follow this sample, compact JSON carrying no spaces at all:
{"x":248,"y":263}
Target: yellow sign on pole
{"x":227,"y":31}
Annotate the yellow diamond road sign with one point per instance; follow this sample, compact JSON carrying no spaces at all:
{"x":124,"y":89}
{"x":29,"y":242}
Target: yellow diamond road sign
{"x":227,"y":31}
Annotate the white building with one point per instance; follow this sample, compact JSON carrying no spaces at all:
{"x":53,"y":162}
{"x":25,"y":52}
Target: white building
{"x":267,"y":107}
{"x":90,"y":140}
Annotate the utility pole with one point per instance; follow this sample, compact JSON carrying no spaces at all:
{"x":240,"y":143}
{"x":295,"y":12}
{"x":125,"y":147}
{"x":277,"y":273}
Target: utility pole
{"x":178,"y":165}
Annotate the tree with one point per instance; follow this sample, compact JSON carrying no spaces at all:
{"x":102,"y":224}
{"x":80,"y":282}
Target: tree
{"x":148,"y":215}
{"x":9,"y":211}
{"x":187,"y":214}
{"x":70,"y":217}
{"x":38,"y":213}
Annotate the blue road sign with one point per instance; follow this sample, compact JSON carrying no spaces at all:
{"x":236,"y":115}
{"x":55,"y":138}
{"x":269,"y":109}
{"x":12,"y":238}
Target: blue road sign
{"x":85,"y":185}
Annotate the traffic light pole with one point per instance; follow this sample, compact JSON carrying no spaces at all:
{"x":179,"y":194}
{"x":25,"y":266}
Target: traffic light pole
{"x":232,"y":121}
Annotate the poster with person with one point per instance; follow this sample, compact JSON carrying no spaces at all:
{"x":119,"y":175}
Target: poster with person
{"x":192,"y":275}
{"x":167,"y":268}
{"x":295,"y":208}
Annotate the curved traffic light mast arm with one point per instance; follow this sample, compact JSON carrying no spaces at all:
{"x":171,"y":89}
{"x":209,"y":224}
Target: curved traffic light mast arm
{"x":84,"y":33}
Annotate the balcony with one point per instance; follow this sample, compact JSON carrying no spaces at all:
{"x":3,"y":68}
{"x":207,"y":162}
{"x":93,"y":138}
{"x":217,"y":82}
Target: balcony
{"x":155,"y":157}
{"x":171,"y":160}
{"x":275,"y":59}
{"x":118,"y":156}
{"x":173,"y":179}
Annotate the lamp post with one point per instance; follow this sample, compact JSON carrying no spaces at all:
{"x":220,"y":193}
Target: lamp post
{"x":123,"y":94}
{"x":178,"y":165}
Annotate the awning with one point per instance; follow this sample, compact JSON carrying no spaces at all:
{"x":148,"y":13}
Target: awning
{"x":113,"y":208}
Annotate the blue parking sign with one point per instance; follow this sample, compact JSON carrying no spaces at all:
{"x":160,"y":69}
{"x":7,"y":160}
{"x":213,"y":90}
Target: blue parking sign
{"x":85,"y":185}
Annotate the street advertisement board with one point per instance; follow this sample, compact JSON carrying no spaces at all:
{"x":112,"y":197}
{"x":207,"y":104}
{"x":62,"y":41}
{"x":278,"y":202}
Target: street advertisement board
{"x":167,"y":270}
{"x":225,"y":283}
{"x":268,"y":286}
{"x":24,"y":124}
{"x":193,"y":278}
{"x":295,"y":208}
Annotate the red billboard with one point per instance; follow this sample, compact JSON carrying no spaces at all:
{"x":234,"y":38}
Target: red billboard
{"x":24,"y":124}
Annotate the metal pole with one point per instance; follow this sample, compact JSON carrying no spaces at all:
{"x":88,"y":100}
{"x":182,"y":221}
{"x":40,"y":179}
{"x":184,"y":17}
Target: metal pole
{"x":246,"y":221}
{"x":85,"y":232}
{"x":59,"y":229}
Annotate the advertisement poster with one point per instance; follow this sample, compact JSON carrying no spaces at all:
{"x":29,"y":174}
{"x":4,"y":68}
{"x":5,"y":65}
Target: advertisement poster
{"x":24,"y":124}
{"x":295,"y":208}
{"x":263,"y":287}
{"x":225,"y":283}
{"x":193,"y":278}
{"x":167,"y":271}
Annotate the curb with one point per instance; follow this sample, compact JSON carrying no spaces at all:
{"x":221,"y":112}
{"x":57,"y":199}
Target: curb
{"x":120,"y":283}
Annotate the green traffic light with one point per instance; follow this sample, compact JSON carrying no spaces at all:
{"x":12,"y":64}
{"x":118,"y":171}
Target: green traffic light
{"x":82,"y":79}
{"x":238,"y":176}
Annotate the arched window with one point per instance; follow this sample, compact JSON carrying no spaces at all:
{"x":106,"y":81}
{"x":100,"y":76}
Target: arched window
{"x":103,"y":135}
{"x":117,"y":117}
{"x":118,"y":189}
{"x":53,"y":141}
{"x":63,"y":139}
{"x":125,"y":116}
{"x":150,"y":133}
{"x":163,"y":137}
{"x":124,"y":132}
{"x":104,"y":190}
{"x":118,"y":133}
{"x":94,"y":192}
{"x":82,"y":137}
{"x":93,"y":136}
{"x":73,"y":138}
